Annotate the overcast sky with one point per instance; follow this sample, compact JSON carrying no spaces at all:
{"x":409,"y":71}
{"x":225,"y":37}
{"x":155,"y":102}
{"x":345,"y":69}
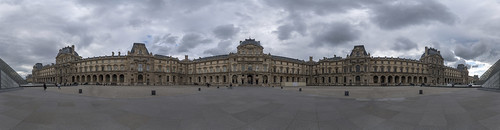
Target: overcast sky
{"x":465,"y":31}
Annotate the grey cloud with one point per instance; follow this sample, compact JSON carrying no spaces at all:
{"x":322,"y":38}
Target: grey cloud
{"x":400,"y":14}
{"x":225,"y":31}
{"x":163,"y":44}
{"x":297,"y":24}
{"x":446,"y":52}
{"x":448,"y":55}
{"x":471,"y":52}
{"x":403,"y":44}
{"x":336,"y":34}
{"x":284,"y":32}
{"x":192,"y":40}
{"x":165,"y":39}
{"x":321,"y":7}
{"x":222,"y":48}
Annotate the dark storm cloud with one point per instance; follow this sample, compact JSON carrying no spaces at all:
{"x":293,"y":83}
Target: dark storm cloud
{"x":403,"y":44}
{"x":285,"y":31}
{"x":446,"y":52}
{"x":472,"y":51}
{"x":400,"y":14}
{"x":192,"y":40}
{"x":336,"y":34}
{"x":225,"y":31}
{"x":222,"y":48}
{"x":296,"y":24}
{"x":321,"y":7}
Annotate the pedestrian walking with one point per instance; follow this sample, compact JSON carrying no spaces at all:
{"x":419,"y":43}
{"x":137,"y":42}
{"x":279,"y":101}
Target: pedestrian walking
{"x":44,"y":87}
{"x":59,"y":86}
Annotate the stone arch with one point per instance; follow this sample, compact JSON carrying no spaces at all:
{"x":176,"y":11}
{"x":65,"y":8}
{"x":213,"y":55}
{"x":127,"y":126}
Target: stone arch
{"x":100,"y":78}
{"x":396,"y":80}
{"x":375,"y":79}
{"x":108,"y":78}
{"x":115,"y":78}
{"x":140,"y":78}
{"x":234,"y":79}
{"x":389,"y":79}
{"x":382,"y":79}
{"x":264,"y":79}
{"x":122,"y":78}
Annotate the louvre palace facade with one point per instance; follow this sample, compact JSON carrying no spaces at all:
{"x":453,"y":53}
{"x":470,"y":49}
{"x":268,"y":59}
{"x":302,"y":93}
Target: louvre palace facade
{"x":249,"y":66}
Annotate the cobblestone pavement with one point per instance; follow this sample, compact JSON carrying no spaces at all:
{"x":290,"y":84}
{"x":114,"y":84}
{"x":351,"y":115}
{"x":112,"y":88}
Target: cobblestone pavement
{"x":250,"y":108}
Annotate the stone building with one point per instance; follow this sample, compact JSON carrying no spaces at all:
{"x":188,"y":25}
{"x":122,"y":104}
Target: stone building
{"x":249,"y":66}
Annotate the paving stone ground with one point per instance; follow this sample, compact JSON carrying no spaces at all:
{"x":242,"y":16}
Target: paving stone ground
{"x":242,"y":108}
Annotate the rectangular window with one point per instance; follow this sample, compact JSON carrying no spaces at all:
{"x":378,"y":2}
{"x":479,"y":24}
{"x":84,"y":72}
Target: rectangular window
{"x":139,"y":68}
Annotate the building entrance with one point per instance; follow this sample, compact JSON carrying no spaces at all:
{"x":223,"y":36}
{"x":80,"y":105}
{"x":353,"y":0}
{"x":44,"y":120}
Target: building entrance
{"x":250,"y":79}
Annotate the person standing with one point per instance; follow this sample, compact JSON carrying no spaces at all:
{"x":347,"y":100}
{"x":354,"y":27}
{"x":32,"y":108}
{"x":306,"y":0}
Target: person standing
{"x":59,"y":86}
{"x":44,"y":87}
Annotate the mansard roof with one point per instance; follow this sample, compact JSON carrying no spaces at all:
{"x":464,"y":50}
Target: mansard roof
{"x":212,"y":57}
{"x":67,"y":50}
{"x":430,"y":51}
{"x":286,"y":58}
{"x":250,"y":41}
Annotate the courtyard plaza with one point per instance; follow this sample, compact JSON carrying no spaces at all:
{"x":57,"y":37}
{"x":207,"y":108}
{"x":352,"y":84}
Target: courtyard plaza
{"x":184,"y":107}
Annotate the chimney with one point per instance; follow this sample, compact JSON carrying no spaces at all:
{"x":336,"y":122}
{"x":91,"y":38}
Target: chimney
{"x":112,"y":53}
{"x":186,"y":57}
{"x":119,"y":53}
{"x":426,"y":51}
{"x":334,"y":55}
{"x":310,"y":58}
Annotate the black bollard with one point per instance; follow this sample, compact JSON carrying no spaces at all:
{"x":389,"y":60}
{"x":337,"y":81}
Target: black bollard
{"x":273,"y":86}
{"x":346,"y":93}
{"x":217,"y":86}
{"x":80,"y":91}
{"x":420,"y":91}
{"x":199,"y":89}
{"x":153,"y":92}
{"x":281,"y":87}
{"x":300,"y":89}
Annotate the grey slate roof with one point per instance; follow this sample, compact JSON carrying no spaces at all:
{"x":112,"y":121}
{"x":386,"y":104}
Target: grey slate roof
{"x":250,"y":41}
{"x":212,"y":57}
{"x":286,"y":58}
